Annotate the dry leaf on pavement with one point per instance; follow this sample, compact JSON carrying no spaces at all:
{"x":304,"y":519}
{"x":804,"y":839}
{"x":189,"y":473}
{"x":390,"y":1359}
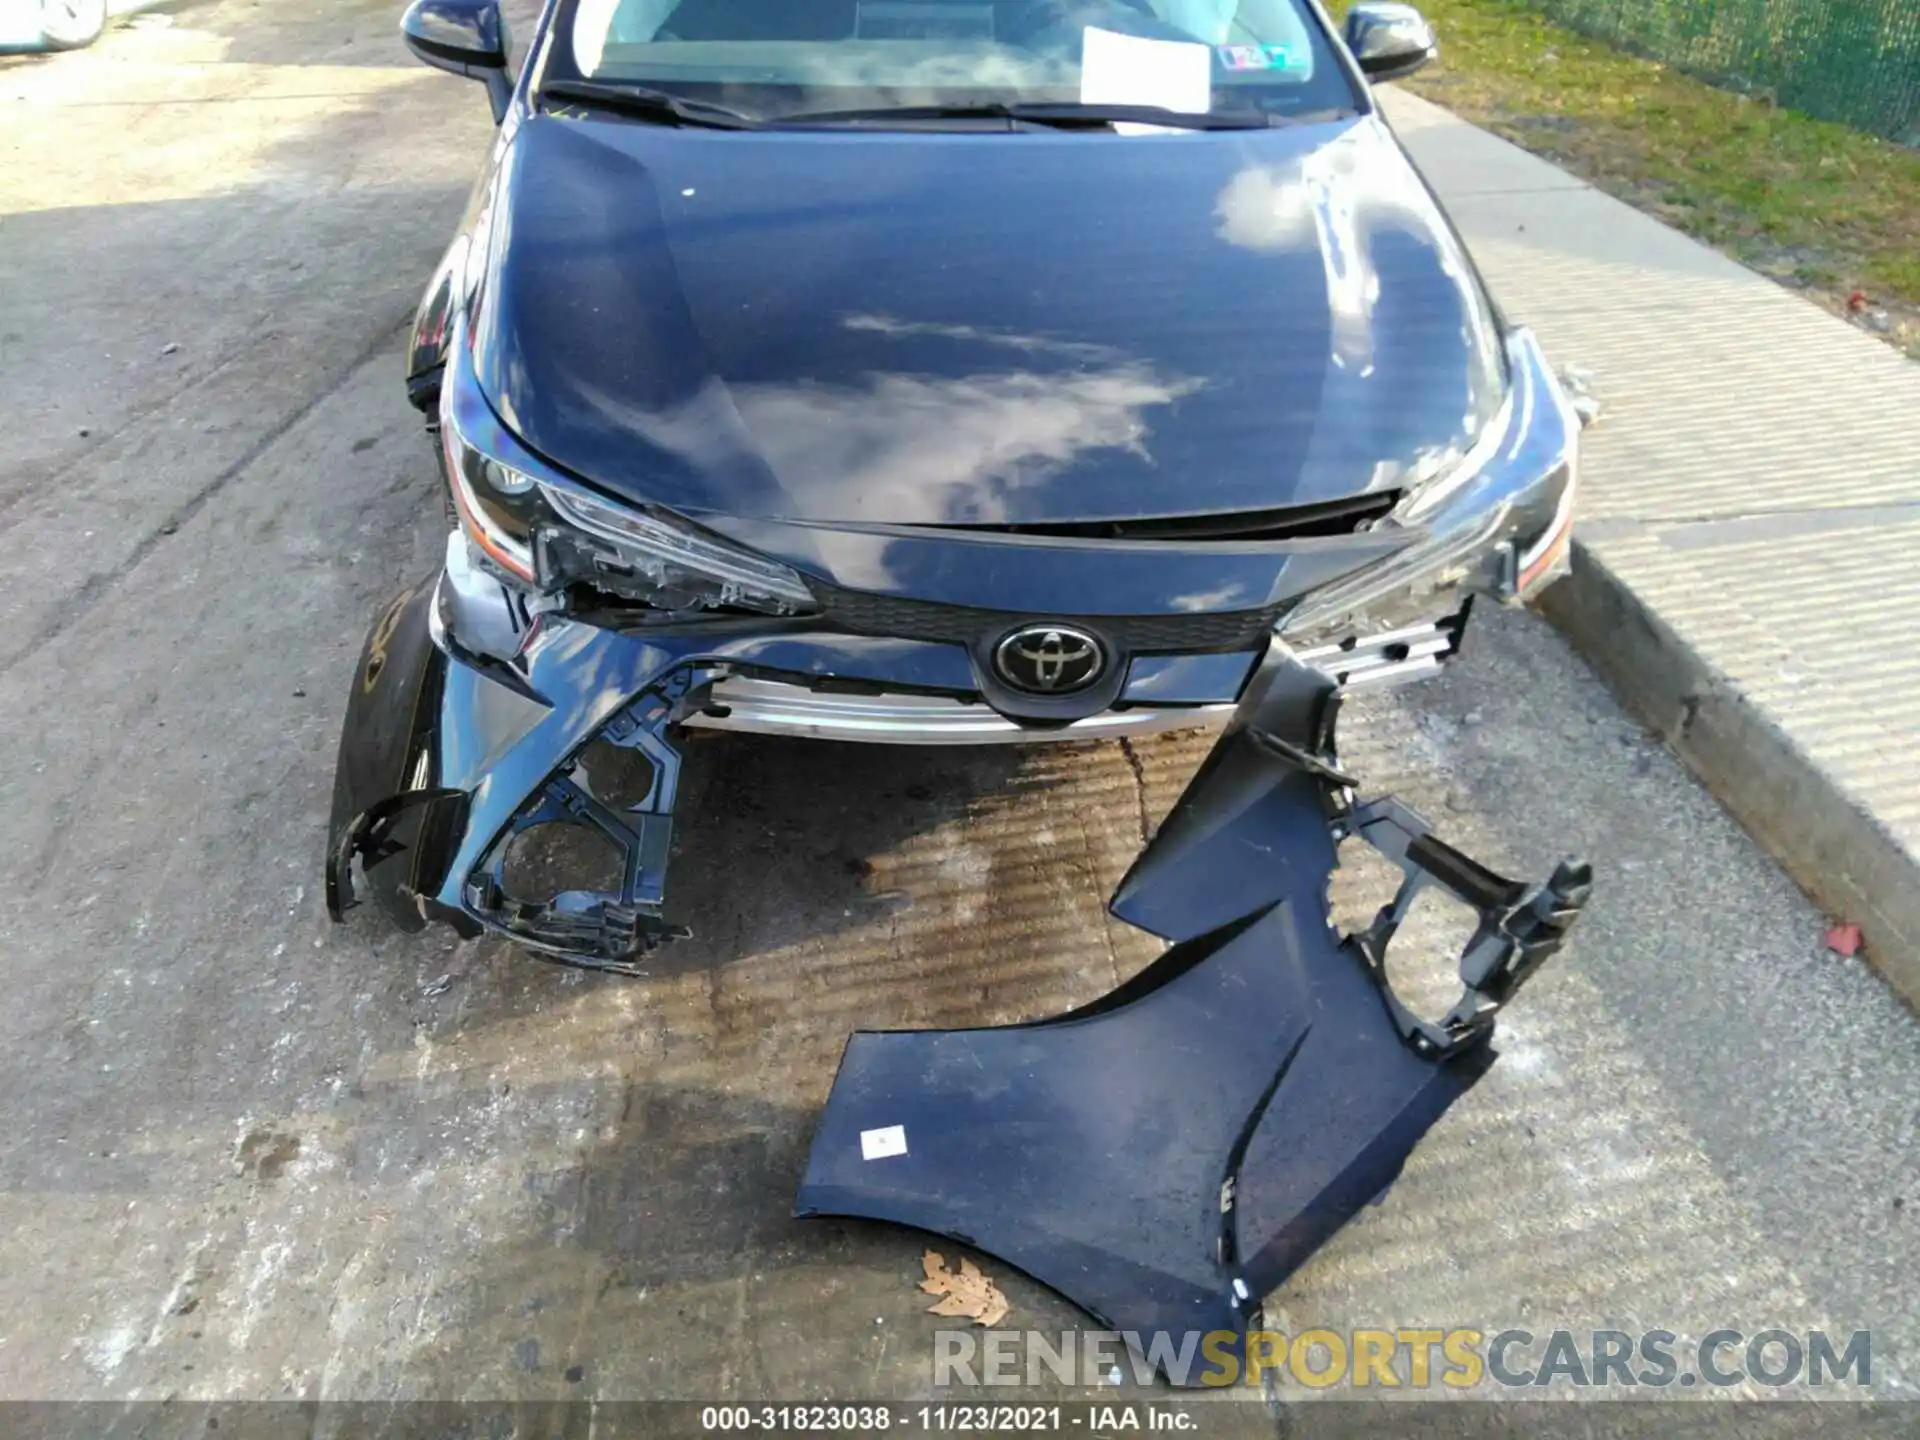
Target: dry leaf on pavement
{"x":964,"y":1293}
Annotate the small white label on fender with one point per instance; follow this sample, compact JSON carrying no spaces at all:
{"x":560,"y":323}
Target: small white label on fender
{"x":879,"y":1144}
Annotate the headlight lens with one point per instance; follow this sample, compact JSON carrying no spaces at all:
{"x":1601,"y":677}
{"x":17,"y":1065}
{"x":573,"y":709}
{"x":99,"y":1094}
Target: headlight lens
{"x":547,"y":534}
{"x":1426,"y":497}
{"x":1411,"y":583}
{"x":484,"y":497}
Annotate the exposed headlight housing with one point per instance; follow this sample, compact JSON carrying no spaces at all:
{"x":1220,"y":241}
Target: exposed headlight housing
{"x":545,"y":533}
{"x":1410,"y":584}
{"x":649,"y":556}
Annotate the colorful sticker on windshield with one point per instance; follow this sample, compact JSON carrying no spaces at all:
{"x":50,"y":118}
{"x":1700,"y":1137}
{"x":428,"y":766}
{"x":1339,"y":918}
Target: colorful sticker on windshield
{"x":1263,"y":57}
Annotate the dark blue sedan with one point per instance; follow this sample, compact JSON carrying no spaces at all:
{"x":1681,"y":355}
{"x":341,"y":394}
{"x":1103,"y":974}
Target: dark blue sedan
{"x":918,"y":371}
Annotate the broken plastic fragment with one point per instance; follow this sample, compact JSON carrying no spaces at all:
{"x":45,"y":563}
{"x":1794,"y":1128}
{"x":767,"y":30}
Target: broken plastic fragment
{"x":1578,"y":385}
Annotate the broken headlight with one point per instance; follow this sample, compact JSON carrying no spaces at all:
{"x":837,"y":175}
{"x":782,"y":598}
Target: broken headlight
{"x":649,"y":556}
{"x":547,"y":533}
{"x":1415,"y":583}
{"x":1495,"y":521}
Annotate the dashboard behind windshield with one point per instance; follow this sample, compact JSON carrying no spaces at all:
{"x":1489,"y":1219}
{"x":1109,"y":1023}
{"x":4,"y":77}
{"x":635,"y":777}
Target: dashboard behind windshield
{"x":769,"y":58}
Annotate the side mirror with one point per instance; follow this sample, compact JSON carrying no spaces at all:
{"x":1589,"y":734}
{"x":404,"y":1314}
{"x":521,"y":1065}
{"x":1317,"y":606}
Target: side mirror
{"x":463,"y":37}
{"x":1389,"y":40}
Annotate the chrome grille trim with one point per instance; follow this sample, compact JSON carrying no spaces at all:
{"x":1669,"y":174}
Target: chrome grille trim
{"x":771,"y":707}
{"x":768,"y":707}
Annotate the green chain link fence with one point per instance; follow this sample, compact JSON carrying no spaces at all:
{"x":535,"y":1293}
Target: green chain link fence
{"x":1856,"y":61}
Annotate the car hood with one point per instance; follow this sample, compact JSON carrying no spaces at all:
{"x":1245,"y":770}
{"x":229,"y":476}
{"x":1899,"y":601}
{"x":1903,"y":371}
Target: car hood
{"x":979,"y":328}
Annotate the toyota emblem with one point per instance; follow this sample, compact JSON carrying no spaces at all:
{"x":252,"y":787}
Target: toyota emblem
{"x":1049,"y":660}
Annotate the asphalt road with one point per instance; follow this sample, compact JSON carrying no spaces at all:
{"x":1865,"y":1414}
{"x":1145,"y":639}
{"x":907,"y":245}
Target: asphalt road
{"x":250,"y":1154}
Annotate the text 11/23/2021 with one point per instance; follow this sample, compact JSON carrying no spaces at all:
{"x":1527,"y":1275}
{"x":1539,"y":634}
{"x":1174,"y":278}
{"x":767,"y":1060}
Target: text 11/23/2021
{"x":900,"y":1419}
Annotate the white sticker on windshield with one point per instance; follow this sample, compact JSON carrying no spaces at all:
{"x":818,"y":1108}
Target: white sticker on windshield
{"x":1120,"y":69}
{"x":881,"y":1143}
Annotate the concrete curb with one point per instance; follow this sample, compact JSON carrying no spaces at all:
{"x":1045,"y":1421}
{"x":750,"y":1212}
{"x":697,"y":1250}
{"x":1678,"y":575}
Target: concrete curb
{"x":1834,"y":849}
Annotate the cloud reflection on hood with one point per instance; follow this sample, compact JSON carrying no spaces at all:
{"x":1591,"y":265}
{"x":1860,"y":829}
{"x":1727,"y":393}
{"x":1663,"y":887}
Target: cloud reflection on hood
{"x":899,"y":445}
{"x":1342,"y":203}
{"x":908,"y":447}
{"x":1279,"y":207}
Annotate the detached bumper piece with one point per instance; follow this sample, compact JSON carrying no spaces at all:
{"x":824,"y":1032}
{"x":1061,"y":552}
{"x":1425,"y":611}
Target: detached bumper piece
{"x":1170,"y":1153}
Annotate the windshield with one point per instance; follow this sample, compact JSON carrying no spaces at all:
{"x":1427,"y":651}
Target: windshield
{"x":773,"y":58}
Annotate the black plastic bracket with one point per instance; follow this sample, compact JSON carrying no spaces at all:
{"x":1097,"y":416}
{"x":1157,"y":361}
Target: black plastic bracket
{"x":1520,"y":926}
{"x":600,"y":930}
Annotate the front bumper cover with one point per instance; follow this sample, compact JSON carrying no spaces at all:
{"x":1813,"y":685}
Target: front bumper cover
{"x":1168,"y":1154}
{"x":447,"y":756}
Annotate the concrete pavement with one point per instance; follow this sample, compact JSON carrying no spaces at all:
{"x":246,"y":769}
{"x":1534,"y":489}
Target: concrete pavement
{"x":252,"y":1155}
{"x":1748,"y":545}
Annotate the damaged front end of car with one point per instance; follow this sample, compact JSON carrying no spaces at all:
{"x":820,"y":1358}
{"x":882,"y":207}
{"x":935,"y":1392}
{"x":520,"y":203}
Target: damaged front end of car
{"x":563,"y":622}
{"x":560,"y":622}
{"x":1163,"y":1156}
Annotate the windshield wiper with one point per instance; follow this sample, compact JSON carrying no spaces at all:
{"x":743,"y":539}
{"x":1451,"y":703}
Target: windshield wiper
{"x":1063,"y":115}
{"x":644,"y":104}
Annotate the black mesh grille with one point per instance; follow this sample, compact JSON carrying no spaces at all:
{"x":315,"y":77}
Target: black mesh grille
{"x":1222,"y":630}
{"x":1326,"y":517}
